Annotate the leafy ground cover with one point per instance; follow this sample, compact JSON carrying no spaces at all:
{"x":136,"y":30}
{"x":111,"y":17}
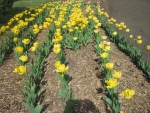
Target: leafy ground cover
{"x":57,"y":63}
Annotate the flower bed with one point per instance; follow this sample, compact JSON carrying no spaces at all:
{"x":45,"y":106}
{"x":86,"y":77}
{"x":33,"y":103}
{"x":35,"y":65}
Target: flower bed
{"x":70,"y":25}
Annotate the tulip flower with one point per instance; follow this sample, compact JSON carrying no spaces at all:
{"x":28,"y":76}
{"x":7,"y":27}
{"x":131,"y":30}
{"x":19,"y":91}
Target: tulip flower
{"x":128,"y":93}
{"x":33,"y":48}
{"x":131,"y":36}
{"x":96,"y":31}
{"x":20,"y":70}
{"x":75,"y":38}
{"x":61,"y":69}
{"x":139,"y":41}
{"x":23,"y":58}
{"x":35,"y":44}
{"x":138,"y":37}
{"x":104,"y":55}
{"x":19,"y":49}
{"x":104,"y":37}
{"x":57,"y":48}
{"x":106,"y":48}
{"x":57,"y":63}
{"x":111,"y":83}
{"x":109,"y":66}
{"x":148,"y":47}
{"x":26,"y":41}
{"x":114,"y":33}
{"x":15,"y":39}
{"x":127,"y":30}
{"x":117,"y":74}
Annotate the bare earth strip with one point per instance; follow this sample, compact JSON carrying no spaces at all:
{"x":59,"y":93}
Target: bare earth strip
{"x":83,"y":69}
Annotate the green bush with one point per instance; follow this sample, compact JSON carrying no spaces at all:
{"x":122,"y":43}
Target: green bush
{"x":5,"y":6}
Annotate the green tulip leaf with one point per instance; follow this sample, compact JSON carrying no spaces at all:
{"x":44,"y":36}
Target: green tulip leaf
{"x":108,"y":100}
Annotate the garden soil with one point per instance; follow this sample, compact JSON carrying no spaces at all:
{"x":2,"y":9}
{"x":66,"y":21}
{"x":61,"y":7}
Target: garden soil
{"x":86,"y":82}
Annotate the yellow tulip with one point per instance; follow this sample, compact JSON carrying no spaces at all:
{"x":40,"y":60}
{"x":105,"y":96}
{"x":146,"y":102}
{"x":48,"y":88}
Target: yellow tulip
{"x":70,"y":30}
{"x":23,"y":58}
{"x":35,"y":26}
{"x":107,"y":43}
{"x":120,"y":28}
{"x":117,"y":74}
{"x":96,"y":31}
{"x":57,"y":23}
{"x":19,"y":49}
{"x":62,"y":68}
{"x":15,"y":39}
{"x":139,"y":41}
{"x":124,"y":26}
{"x":64,"y":26}
{"x":128,"y":93}
{"x":76,"y":28}
{"x":109,"y":66}
{"x":35,"y":44}
{"x":127,"y":30}
{"x":36,"y":30}
{"x":33,"y":48}
{"x":99,"y":24}
{"x":111,"y":83}
{"x":148,"y":47}
{"x":26,"y":41}
{"x":101,"y":45}
{"x":114,"y":33}
{"x":131,"y":36}
{"x":75,"y":38}
{"x":55,"y":40}
{"x":57,"y":63}
{"x":104,"y":55}
{"x":20,"y":70}
{"x":138,"y":37}
{"x":57,"y":48}
{"x":104,"y":37}
{"x":106,"y":48}
{"x":40,"y":27}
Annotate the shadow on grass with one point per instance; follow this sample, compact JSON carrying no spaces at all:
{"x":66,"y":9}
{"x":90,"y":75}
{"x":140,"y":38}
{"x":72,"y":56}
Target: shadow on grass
{"x":10,"y":14}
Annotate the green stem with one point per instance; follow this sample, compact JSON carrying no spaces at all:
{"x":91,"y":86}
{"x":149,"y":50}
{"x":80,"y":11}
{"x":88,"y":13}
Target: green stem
{"x":129,"y":106}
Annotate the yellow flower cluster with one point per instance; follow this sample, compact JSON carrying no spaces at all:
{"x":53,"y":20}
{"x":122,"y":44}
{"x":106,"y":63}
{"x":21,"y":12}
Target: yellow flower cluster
{"x":57,"y":48}
{"x":120,"y":26}
{"x":101,"y":12}
{"x":36,"y":29}
{"x":138,"y":40}
{"x":111,"y":21}
{"x":77,"y":19}
{"x":105,"y":46}
{"x":57,"y":36}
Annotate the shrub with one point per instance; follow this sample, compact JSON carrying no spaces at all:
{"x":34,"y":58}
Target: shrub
{"x":5,"y":6}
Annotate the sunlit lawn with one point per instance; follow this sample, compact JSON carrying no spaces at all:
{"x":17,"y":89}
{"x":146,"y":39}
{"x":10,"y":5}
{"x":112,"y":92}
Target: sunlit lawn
{"x":19,"y":6}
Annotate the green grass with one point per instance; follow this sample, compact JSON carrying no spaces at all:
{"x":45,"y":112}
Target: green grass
{"x":19,"y":6}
